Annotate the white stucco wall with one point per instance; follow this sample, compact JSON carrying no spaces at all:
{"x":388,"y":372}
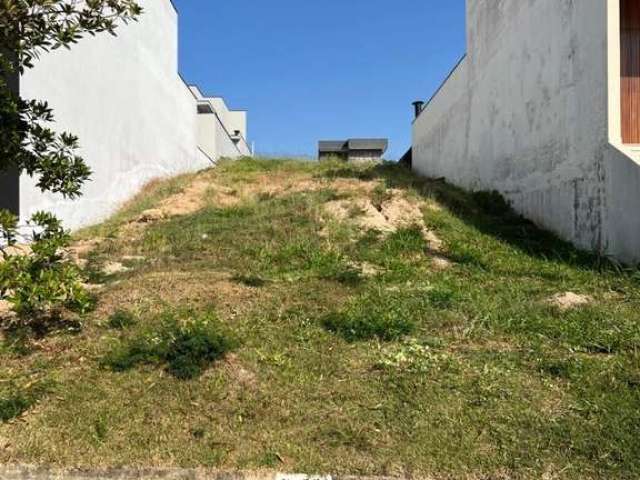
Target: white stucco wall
{"x":217,"y":129}
{"x":527,"y":113}
{"x":135,"y":117}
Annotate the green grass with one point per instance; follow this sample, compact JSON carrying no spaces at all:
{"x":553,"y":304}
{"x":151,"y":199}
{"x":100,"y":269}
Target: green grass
{"x":186,"y":347}
{"x":251,"y":338}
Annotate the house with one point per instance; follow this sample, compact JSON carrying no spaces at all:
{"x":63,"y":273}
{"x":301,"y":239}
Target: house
{"x":135,"y":117}
{"x":353,"y":150}
{"x":545,"y":108}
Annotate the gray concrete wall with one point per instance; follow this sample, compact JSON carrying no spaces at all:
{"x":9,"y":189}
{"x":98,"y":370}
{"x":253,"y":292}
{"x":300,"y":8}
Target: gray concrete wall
{"x":527,"y":113}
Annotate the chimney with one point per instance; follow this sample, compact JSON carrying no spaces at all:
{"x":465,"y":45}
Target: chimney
{"x":418,"y":106}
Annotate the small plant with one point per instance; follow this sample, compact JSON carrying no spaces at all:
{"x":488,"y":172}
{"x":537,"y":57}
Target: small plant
{"x":441,"y":297}
{"x":374,"y":315}
{"x":121,"y":319}
{"x":413,"y":357}
{"x":379,"y":196}
{"x":15,"y":401}
{"x":100,"y":429}
{"x":405,"y":240}
{"x":41,"y":283}
{"x":186,"y":348}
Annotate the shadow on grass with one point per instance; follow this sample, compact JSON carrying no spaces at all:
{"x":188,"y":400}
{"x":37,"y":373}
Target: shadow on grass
{"x":16,"y":401}
{"x":487,"y":212}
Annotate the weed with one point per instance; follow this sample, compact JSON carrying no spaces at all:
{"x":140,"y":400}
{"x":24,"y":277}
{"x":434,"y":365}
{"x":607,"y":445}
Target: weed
{"x":186,"y":348}
{"x":100,"y":429}
{"x":15,"y":401}
{"x":379,"y":195}
{"x":121,"y":319}
{"x":378,"y":314}
{"x":250,"y":280}
{"x":405,"y":240}
{"x":441,"y":297}
{"x":412,"y":356}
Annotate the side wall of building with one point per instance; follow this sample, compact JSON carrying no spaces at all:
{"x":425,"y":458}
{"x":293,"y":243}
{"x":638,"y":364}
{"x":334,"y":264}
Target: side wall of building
{"x":526,"y":113}
{"x":122,"y":96}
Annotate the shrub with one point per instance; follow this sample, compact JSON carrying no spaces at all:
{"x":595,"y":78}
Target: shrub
{"x":41,"y":283}
{"x":383,"y":315}
{"x":185,"y":348}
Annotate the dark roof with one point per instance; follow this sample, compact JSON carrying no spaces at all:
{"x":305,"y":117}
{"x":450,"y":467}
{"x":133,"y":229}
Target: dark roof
{"x":332,"y":146}
{"x":353,"y":144}
{"x":368,"y":144}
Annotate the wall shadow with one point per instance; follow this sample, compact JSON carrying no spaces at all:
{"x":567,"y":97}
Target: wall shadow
{"x":488,"y":212}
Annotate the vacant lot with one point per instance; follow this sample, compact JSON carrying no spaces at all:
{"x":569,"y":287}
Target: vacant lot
{"x":325,"y":318}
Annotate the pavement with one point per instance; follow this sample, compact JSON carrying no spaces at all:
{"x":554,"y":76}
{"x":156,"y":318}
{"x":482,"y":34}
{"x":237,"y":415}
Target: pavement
{"x":21,"y":472}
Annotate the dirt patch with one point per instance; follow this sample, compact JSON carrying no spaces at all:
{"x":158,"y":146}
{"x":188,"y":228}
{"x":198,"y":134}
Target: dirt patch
{"x":113,"y":268}
{"x":441,"y":263}
{"x":242,"y":376}
{"x":80,"y":250}
{"x":392,"y":213}
{"x":569,"y":301}
{"x":367,"y":269}
{"x":16,"y":250}
{"x":5,"y":310}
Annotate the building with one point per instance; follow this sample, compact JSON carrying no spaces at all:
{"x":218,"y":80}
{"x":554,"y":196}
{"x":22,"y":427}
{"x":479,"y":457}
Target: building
{"x":545,"y":108}
{"x":134,"y":115}
{"x":356,"y":150}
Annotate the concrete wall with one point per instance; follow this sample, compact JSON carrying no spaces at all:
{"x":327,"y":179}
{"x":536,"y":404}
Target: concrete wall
{"x":365,"y":156}
{"x":527,"y":113}
{"x":217,"y":127}
{"x":135,"y":117}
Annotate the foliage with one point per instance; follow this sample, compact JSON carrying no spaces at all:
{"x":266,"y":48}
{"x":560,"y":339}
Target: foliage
{"x":29,"y":28}
{"x":186,"y":348}
{"x":41,"y":282}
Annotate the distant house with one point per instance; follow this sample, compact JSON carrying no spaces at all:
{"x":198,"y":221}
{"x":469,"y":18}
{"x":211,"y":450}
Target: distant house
{"x":353,"y":150}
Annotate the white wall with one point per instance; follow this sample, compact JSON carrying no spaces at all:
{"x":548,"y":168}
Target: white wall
{"x":217,"y":129}
{"x":135,"y":117}
{"x":527,"y":113}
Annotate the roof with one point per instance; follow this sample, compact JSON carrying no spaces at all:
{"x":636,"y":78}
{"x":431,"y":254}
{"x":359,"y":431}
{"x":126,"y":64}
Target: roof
{"x":329,"y":146}
{"x":368,"y":144}
{"x":333,"y":146}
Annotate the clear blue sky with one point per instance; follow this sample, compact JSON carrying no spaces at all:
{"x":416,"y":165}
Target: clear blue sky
{"x":308,"y":70}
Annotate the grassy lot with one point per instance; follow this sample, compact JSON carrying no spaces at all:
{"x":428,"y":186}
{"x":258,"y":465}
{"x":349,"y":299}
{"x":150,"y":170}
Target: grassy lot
{"x":267,"y":326}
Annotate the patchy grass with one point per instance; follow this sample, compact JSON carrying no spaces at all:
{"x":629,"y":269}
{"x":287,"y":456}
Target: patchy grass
{"x":260,"y":332}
